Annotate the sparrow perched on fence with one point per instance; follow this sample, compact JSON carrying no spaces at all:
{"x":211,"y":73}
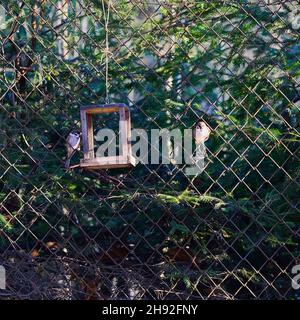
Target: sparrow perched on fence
{"x":201,"y":132}
{"x":72,"y":144}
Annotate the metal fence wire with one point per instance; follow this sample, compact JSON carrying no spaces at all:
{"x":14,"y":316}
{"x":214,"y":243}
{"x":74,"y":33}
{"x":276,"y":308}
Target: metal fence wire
{"x":151,"y":231}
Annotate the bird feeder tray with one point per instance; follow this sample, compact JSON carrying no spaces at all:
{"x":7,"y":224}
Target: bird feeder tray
{"x":90,"y":161}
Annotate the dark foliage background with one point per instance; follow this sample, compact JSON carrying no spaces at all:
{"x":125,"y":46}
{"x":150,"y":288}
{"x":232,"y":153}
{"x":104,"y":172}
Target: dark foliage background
{"x":151,"y":232}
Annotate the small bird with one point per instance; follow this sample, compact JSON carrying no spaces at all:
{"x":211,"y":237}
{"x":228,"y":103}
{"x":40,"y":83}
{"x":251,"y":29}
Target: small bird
{"x":72,"y":144}
{"x":201,"y":132}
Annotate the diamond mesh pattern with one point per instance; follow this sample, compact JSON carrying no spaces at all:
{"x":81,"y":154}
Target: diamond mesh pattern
{"x":151,"y":232}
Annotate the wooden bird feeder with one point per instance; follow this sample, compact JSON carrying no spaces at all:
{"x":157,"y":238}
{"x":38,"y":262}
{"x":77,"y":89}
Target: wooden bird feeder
{"x":125,"y":158}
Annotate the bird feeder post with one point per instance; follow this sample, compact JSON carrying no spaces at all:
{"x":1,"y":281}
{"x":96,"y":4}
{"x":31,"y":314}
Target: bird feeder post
{"x":128,"y":124}
{"x":124,"y":133}
{"x":87,"y":135}
{"x":90,"y":139}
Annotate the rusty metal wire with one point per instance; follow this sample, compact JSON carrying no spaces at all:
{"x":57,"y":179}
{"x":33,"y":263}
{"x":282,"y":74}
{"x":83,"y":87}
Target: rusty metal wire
{"x":151,"y":232}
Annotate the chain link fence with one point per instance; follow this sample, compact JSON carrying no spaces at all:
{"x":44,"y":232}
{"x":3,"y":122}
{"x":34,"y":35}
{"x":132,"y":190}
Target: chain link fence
{"x":151,"y":232}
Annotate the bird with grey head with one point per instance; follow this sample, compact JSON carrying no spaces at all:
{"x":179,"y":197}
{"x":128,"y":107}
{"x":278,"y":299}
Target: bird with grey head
{"x":72,"y":145}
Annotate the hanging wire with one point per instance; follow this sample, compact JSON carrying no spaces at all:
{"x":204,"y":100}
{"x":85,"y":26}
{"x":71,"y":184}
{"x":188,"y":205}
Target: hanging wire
{"x":106,"y":21}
